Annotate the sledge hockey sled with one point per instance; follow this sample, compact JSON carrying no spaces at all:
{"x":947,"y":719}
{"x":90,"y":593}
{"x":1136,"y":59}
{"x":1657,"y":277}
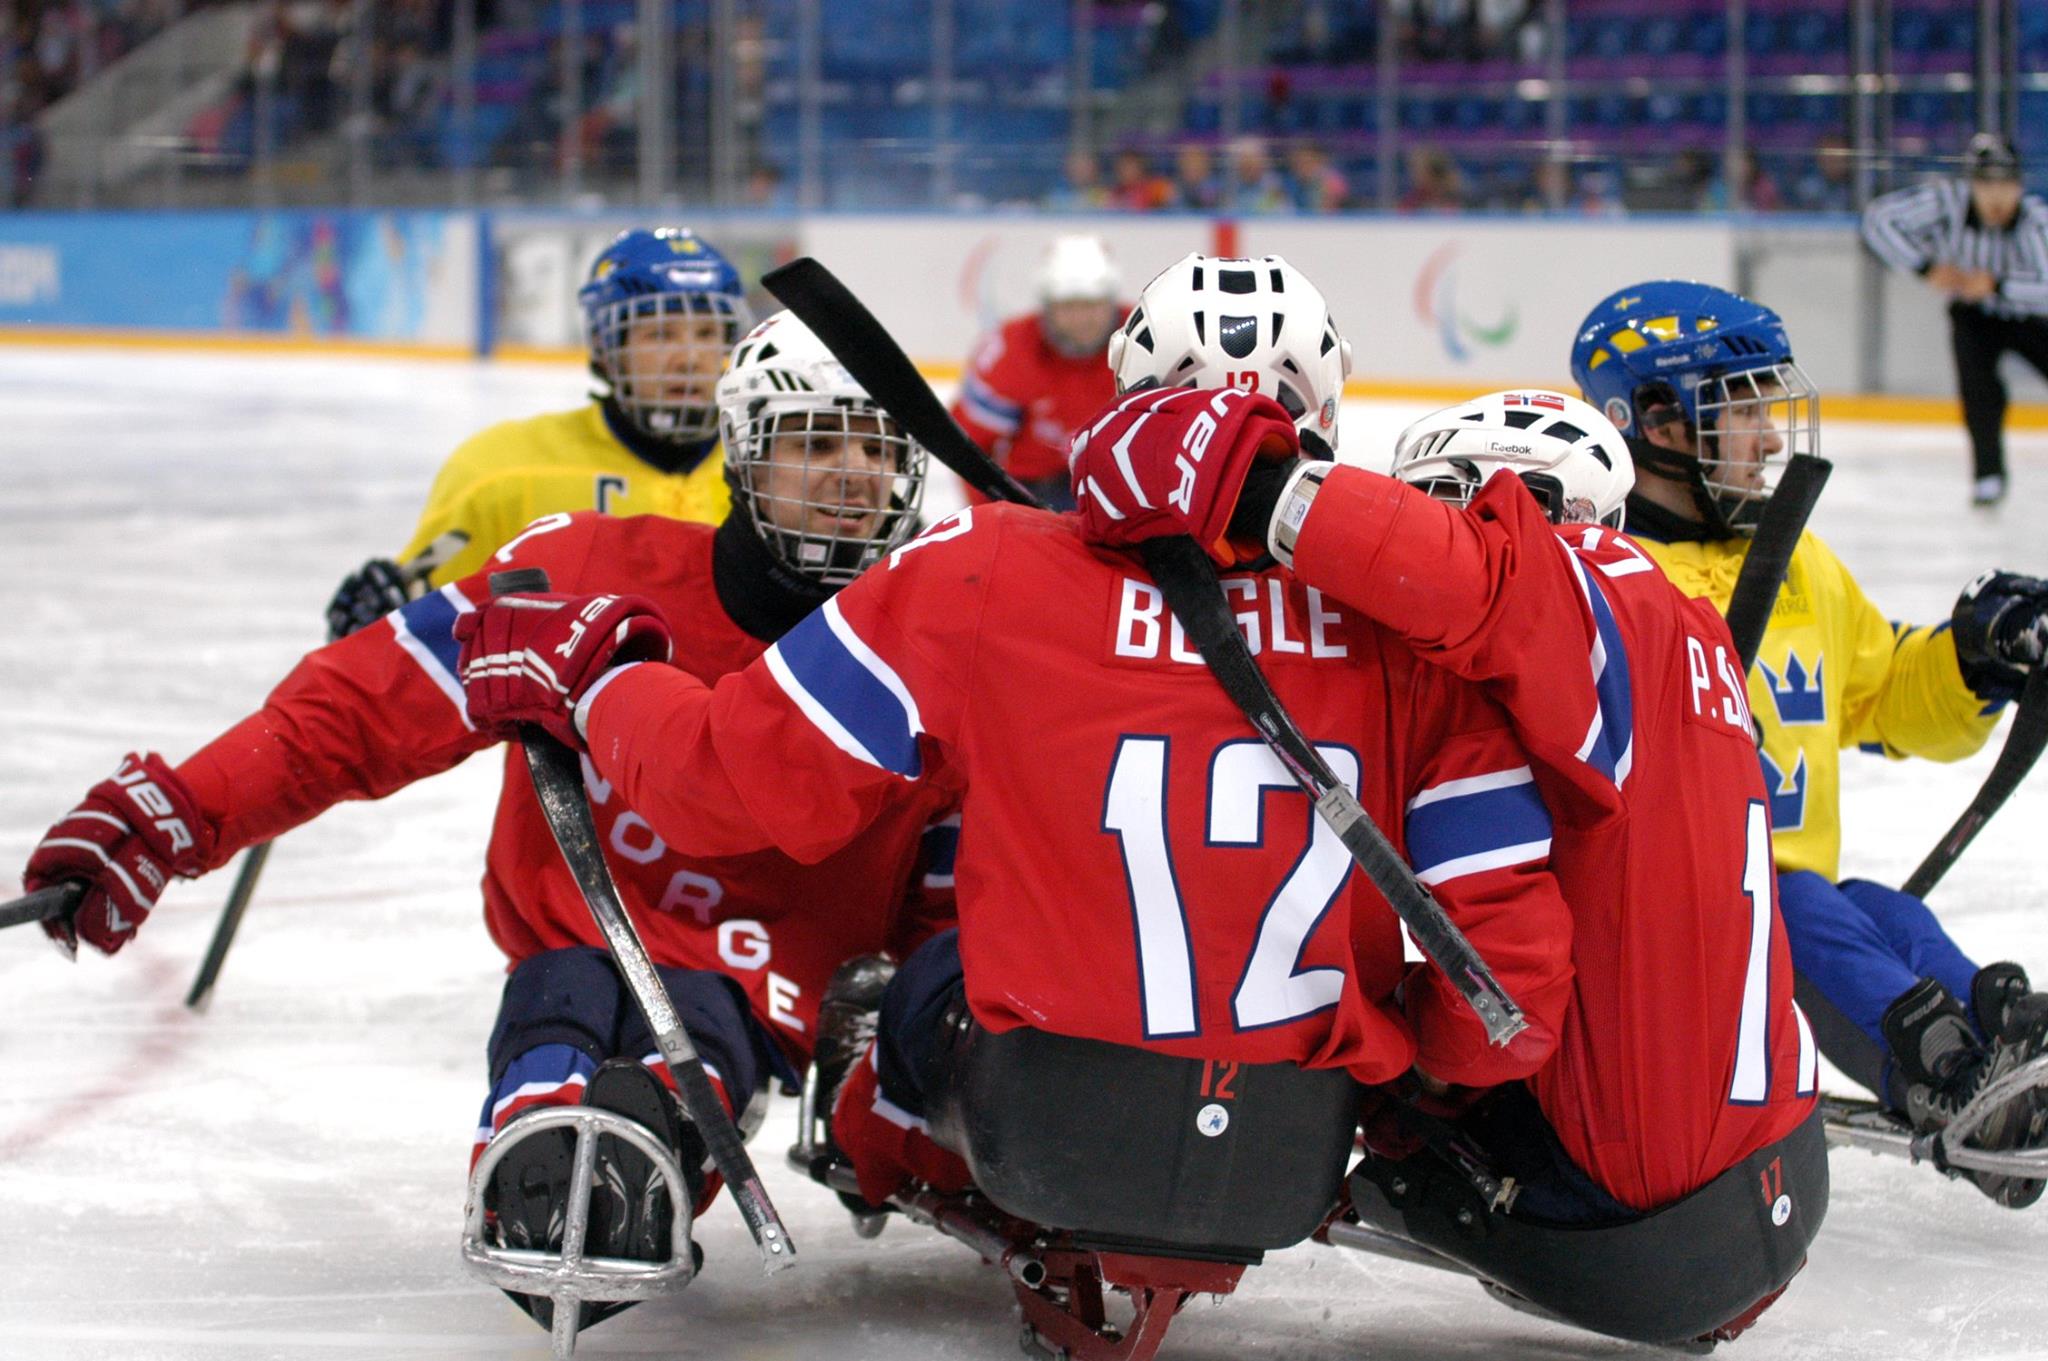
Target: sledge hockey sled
{"x":1677,"y":1276}
{"x":1100,"y":1170}
{"x":1860,"y":1123}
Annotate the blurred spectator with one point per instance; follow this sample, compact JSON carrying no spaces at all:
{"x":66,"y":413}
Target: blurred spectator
{"x":1195,"y":185}
{"x":1759,"y":193}
{"x":1318,"y":187}
{"x":1435,"y":185}
{"x":1137,"y":189}
{"x":1259,"y":186}
{"x":1083,"y":190}
{"x":1436,"y":30}
{"x":1828,"y":183}
{"x":767,"y":188}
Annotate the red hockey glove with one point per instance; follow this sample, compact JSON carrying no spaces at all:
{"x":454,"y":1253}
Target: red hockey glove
{"x":530,"y":658}
{"x":123,"y":842}
{"x":1159,"y":463}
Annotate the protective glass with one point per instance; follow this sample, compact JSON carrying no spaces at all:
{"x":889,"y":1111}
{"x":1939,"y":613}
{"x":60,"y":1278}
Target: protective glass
{"x":662,"y":354}
{"x":1751,"y":423}
{"x":830,"y":488}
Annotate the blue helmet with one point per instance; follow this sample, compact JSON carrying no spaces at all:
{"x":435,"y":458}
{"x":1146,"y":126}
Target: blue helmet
{"x":661,"y":312}
{"x":1714,"y":372}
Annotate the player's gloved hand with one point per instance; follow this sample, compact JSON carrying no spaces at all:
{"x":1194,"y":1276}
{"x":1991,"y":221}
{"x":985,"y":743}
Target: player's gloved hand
{"x":1180,"y":461}
{"x":126,"y":838}
{"x":366,"y":595}
{"x":2001,"y":629}
{"x":532,"y":658}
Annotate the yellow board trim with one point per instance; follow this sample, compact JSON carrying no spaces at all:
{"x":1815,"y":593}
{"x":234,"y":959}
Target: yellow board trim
{"x":1877,"y":406}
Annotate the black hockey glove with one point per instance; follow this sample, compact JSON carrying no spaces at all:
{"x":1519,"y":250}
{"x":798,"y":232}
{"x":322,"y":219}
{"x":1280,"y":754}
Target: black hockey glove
{"x":366,"y":595}
{"x":2001,"y":627}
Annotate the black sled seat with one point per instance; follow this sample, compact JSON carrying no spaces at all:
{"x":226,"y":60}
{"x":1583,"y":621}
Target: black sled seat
{"x":1677,"y":1274}
{"x":1142,"y":1152}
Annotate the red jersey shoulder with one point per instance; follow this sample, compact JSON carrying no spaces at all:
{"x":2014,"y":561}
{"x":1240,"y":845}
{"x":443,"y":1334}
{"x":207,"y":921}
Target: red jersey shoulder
{"x":668,"y":561}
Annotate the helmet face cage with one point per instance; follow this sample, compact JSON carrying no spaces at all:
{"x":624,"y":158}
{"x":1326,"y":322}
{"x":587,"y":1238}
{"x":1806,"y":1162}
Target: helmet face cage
{"x":1748,"y":425}
{"x":831,"y":484}
{"x":662,"y":360}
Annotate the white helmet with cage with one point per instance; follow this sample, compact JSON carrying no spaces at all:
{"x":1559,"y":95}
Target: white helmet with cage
{"x":1563,"y":449}
{"x":1211,"y":321}
{"x":829,"y":480}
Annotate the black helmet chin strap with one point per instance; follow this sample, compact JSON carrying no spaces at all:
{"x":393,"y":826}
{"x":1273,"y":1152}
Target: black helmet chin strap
{"x":1653,"y":520}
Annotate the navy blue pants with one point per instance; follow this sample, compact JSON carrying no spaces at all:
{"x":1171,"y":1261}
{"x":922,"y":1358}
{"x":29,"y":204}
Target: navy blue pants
{"x":566,"y":1011}
{"x":911,"y":1034}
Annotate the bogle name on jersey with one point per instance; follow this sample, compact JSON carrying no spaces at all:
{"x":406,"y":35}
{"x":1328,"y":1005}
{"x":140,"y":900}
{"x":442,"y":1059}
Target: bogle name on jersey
{"x":1281,"y":620}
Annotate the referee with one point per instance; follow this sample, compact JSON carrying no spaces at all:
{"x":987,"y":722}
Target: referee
{"x":1982,"y":241}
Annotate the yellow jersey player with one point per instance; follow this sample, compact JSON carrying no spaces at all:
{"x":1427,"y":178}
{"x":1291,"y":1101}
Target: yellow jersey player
{"x":1704,"y":385}
{"x":661,"y":312}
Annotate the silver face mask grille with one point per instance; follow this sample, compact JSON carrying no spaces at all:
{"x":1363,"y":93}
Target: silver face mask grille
{"x":1750,"y":425}
{"x":662,"y":354}
{"x":830,"y":488}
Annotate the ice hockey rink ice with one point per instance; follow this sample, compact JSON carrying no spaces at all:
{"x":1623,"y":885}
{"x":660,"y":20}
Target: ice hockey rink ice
{"x":283,"y":1176}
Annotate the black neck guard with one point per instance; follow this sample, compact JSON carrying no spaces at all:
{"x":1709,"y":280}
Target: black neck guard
{"x":669,"y":458}
{"x":760,"y":594}
{"x":1651,"y":521}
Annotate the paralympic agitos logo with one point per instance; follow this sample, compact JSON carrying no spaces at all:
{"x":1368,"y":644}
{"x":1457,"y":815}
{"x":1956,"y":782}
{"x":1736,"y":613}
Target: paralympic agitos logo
{"x":1436,"y":303}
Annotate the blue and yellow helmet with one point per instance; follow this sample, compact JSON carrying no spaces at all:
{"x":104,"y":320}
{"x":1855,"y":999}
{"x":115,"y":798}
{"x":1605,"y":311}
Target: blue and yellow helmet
{"x":661,"y":312}
{"x":1712,"y":374}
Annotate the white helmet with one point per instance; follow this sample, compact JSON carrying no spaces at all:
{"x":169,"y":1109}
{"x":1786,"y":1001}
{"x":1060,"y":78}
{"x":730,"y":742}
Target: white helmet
{"x":1569,"y":454}
{"x":828,"y":478}
{"x":1078,"y":269}
{"x":1208,"y":321}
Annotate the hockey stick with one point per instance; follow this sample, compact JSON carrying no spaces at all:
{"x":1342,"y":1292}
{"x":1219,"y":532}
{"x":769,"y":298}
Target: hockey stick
{"x":256,"y":857}
{"x":2023,"y":747}
{"x":41,"y":905}
{"x":1770,"y":553}
{"x":1188,"y":580}
{"x":1187,"y":577}
{"x":558,"y":780}
{"x":878,"y":363}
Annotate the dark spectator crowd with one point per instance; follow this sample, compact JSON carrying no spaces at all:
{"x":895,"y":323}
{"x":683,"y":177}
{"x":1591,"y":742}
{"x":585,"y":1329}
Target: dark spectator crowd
{"x":1292,"y":124}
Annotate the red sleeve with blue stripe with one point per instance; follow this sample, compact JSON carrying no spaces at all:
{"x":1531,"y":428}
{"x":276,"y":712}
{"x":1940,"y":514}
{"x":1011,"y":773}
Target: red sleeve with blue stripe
{"x":363,"y":717}
{"x":983,"y":408}
{"x":1494,"y":594}
{"x":801,"y":749}
{"x":1477,"y":833}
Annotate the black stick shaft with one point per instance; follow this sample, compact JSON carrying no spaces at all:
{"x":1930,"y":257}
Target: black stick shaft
{"x":41,"y":905}
{"x":246,"y":878}
{"x":1188,"y":579}
{"x":874,"y":358}
{"x":558,"y":781}
{"x":878,"y":364}
{"x":1770,"y":553}
{"x":2023,"y":747}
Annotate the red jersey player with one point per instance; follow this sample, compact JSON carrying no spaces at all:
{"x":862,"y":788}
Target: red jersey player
{"x":1037,"y":378}
{"x":1684,"y":1056}
{"x":746,"y":943}
{"x":1140,"y":869}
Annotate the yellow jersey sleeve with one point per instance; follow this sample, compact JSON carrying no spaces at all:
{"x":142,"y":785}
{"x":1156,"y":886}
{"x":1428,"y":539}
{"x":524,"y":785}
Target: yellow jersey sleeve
{"x":1832,"y":673}
{"x":501,"y":480}
{"x":1906,"y":693}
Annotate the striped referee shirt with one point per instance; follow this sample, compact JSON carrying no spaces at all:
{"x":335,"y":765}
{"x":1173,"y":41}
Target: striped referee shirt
{"x":1933,"y":224}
